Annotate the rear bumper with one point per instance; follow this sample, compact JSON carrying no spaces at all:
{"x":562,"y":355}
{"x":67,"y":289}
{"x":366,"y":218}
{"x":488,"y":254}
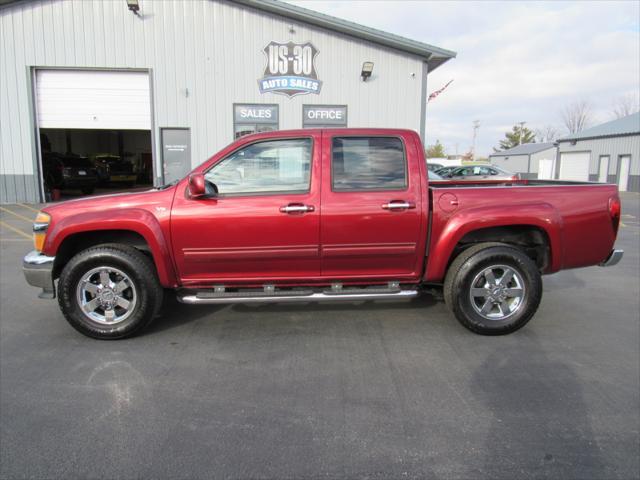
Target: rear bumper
{"x":76,"y":182}
{"x":614,"y":257}
{"x":38,"y":271}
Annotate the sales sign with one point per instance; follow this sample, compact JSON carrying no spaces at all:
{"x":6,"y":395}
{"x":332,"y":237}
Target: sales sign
{"x":246,"y":113}
{"x":290,"y":69}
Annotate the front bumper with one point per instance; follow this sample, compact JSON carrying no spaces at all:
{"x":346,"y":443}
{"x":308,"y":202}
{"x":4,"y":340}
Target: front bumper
{"x":38,"y":271}
{"x":614,"y":257}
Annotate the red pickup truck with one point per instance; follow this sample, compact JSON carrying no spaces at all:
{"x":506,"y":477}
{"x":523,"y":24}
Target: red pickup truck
{"x":319,"y":215}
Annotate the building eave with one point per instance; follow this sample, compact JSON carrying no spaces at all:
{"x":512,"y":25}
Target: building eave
{"x":434,"y":56}
{"x":597,"y":137}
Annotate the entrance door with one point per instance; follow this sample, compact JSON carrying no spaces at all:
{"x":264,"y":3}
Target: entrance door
{"x":176,"y":153}
{"x":604,"y":169}
{"x":264,"y":224}
{"x":574,"y":166}
{"x":371,"y":207}
{"x":623,"y":172}
{"x":545,"y":169}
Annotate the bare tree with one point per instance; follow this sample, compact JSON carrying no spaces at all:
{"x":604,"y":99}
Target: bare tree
{"x":548,"y":133}
{"x":625,"y":105}
{"x":576,"y":116}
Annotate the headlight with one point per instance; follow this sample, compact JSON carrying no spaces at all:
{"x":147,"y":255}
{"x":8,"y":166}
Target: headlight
{"x":40,"y":226}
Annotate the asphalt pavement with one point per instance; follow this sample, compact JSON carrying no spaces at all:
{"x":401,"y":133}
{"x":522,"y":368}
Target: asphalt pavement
{"x":365,"y":390}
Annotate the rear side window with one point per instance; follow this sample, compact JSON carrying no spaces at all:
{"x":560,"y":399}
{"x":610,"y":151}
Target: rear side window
{"x":368,"y":163}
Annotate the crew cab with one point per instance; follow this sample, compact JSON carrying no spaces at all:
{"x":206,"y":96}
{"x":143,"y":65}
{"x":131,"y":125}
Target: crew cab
{"x":314,"y":216}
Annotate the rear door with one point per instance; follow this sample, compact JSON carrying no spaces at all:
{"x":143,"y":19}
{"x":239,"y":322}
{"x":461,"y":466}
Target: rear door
{"x":372,"y":222}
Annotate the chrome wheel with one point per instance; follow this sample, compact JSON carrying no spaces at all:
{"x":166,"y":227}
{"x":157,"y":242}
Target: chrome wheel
{"x":106,"y":295}
{"x":497,"y":292}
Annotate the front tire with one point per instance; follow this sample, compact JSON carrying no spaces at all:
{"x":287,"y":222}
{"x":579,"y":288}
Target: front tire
{"x":109,"y":291}
{"x":493,"y":288}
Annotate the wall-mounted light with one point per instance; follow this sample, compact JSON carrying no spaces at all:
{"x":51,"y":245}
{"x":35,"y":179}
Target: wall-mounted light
{"x":134,"y":6}
{"x":367,"y":68}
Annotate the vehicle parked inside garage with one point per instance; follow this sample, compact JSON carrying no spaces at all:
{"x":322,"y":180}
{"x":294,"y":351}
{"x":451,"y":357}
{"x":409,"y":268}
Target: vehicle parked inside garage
{"x":112,"y":170}
{"x":319,"y":215}
{"x":69,"y":172}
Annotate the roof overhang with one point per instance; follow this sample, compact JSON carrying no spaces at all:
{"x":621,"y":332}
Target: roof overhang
{"x":434,"y":56}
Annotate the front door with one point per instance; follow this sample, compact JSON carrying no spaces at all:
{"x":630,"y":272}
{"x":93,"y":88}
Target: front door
{"x":623,"y":172}
{"x":372,"y":213}
{"x":176,"y":153}
{"x":604,"y":169}
{"x":264,"y":224}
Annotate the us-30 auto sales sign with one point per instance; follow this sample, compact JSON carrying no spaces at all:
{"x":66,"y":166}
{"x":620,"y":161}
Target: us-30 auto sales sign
{"x":290,"y":69}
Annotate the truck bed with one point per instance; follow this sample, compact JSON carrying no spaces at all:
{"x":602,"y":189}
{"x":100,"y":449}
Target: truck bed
{"x":573,"y":217}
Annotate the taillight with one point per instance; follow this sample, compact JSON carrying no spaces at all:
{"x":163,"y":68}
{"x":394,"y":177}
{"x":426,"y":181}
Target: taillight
{"x":614,"y":211}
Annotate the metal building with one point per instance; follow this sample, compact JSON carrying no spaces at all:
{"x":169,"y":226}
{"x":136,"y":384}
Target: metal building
{"x":530,"y":160}
{"x":163,"y":84}
{"x":609,"y":152}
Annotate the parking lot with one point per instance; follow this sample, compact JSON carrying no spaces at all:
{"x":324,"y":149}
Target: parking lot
{"x":373,"y":390}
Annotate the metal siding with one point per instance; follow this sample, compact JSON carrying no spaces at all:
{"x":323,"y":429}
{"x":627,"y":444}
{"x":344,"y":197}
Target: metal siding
{"x":549,"y":154}
{"x":614,"y":146}
{"x":210,"y":47}
{"x":512,"y":163}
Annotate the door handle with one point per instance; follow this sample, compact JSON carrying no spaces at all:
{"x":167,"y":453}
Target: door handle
{"x":398,"y":205}
{"x":297,"y":208}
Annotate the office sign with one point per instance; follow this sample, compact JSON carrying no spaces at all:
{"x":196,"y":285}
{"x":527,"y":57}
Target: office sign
{"x":251,"y":114}
{"x":326,"y":115}
{"x":290,"y":69}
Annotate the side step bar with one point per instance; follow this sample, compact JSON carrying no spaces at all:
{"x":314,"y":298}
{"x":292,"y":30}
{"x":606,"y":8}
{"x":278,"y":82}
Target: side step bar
{"x":289,"y":296}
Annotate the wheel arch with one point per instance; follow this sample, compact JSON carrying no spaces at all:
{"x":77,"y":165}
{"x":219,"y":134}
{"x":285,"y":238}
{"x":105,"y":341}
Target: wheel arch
{"x":537,"y":231}
{"x":143,"y":232}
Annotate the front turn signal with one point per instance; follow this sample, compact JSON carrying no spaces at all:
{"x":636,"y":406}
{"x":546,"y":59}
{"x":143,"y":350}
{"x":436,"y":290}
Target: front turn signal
{"x":40,"y":226}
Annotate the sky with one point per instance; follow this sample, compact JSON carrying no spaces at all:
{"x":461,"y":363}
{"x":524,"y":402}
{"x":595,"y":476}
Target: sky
{"x":517,"y":61}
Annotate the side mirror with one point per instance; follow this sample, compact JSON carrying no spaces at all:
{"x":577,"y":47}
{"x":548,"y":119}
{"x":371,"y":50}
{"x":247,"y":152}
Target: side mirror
{"x":197,"y":186}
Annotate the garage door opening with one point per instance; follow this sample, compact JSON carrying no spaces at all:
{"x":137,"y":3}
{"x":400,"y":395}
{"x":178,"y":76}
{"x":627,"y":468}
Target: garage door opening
{"x":95,"y":131}
{"x":83,"y":162}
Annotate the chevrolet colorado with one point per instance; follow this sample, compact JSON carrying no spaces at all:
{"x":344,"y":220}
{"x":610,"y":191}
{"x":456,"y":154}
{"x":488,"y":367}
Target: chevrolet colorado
{"x":319,"y":215}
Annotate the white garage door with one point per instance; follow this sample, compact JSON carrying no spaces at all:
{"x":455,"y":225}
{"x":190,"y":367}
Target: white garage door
{"x":93,"y":99}
{"x":574,"y":166}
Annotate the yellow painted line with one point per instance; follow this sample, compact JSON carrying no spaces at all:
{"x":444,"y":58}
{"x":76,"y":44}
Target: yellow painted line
{"x":628,"y":216}
{"x":28,"y":207}
{"x":30,"y":220}
{"x":14,"y":229}
{"x":622,"y":224}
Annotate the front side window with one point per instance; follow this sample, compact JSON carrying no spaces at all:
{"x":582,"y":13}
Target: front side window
{"x":368,"y":163}
{"x":265,"y":167}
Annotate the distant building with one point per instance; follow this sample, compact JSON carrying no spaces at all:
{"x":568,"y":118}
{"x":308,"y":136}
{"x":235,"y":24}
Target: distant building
{"x":609,"y":152}
{"x":530,"y":160}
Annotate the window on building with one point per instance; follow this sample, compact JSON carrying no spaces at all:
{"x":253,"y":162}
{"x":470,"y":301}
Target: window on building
{"x":265,"y":167}
{"x":368,"y":163}
{"x":254,"y":118}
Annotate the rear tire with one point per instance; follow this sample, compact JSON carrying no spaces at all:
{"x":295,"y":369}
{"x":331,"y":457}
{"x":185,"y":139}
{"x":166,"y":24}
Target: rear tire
{"x":110,"y":291}
{"x":493,"y":288}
